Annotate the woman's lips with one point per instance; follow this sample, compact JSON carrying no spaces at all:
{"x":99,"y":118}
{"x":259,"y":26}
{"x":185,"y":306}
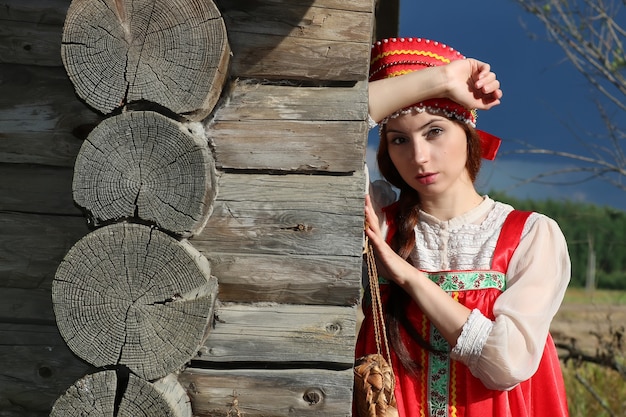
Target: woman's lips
{"x":427,"y":178}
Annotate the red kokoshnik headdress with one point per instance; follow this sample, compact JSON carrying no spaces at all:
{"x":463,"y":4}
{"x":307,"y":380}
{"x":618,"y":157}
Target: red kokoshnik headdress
{"x":398,"y":56}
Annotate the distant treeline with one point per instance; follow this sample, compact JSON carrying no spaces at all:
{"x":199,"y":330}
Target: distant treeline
{"x":586,"y":227}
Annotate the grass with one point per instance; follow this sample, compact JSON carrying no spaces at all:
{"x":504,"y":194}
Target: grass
{"x":593,"y":390}
{"x":599,"y":297}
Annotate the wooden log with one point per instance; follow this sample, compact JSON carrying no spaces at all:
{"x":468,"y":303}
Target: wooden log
{"x":32,"y":246}
{"x":286,"y":238}
{"x":286,"y":215}
{"x":104,"y":394}
{"x":305,"y":40}
{"x":290,"y":146}
{"x":131,"y":295}
{"x":31,"y":31}
{"x":277,"y":39}
{"x":37,"y":189}
{"x":289,"y":128}
{"x":295,"y":279}
{"x":36,"y":367}
{"x":19,"y":305}
{"x":42,"y":121}
{"x":171,"y":52}
{"x":280,"y":333}
{"x":144,"y":165}
{"x":269,"y":393}
{"x":250,"y":101}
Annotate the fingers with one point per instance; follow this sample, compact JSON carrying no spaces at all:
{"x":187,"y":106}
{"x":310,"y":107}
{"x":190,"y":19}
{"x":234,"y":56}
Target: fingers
{"x":486,"y":80}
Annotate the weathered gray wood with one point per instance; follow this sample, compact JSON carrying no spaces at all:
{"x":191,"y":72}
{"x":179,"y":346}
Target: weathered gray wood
{"x":131,"y":295}
{"x":249,"y":101}
{"x":32,"y":246}
{"x":31,"y":31}
{"x":289,"y":128}
{"x":295,"y":279}
{"x":341,"y":5}
{"x":143,"y":165}
{"x":26,"y":306}
{"x":174,"y":53}
{"x":37,"y":189}
{"x":275,"y":57}
{"x":42,"y":12}
{"x":309,"y":19}
{"x":269,"y":393}
{"x":286,"y":215}
{"x":41,"y":119}
{"x":289,"y":146}
{"x":102,"y":395}
{"x":92,"y":395}
{"x":308,"y":40}
{"x":281,"y":333}
{"x":35,"y":368}
{"x":315,"y":40}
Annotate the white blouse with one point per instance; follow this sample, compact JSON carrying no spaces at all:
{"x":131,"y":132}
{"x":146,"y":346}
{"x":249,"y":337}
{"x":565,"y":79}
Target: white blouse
{"x":506,"y":351}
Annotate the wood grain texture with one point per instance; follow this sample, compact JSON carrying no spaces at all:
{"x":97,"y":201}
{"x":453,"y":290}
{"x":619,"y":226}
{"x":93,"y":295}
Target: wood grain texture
{"x":101,"y":394}
{"x":146,"y":166}
{"x":248,"y":101}
{"x":294,"y":279}
{"x":275,"y":333}
{"x":290,"y":128}
{"x":36,"y":367}
{"x":308,"y":40}
{"x":171,"y":52}
{"x":269,"y":393}
{"x":41,"y":120}
{"x":130,"y":295}
{"x":33,"y":245}
{"x":30,"y":31}
{"x":286,"y":215}
{"x":290,"y":146}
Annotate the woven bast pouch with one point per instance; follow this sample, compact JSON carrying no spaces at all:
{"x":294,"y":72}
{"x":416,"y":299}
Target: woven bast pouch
{"x":373,"y":387}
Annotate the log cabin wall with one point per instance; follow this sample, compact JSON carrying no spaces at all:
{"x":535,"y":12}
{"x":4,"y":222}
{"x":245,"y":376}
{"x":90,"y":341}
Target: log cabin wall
{"x":282,"y":236}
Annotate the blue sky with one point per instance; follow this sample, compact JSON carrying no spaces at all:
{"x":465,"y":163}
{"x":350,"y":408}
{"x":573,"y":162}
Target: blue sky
{"x":545,"y":98}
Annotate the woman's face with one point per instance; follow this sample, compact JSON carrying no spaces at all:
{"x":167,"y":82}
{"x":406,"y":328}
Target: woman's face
{"x":430,"y":153}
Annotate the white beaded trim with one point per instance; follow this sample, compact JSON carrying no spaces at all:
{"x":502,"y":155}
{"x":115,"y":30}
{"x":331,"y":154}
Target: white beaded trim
{"x":431,"y":109}
{"x":443,"y":45}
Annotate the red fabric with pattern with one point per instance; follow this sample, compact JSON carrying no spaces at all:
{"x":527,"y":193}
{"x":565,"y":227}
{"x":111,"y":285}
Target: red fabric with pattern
{"x":543,"y":395}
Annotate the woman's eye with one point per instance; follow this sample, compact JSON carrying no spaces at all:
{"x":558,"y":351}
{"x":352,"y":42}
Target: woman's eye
{"x":398,"y":140}
{"x":435,"y":131}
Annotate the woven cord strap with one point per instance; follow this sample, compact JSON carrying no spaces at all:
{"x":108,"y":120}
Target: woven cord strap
{"x":380,"y":332}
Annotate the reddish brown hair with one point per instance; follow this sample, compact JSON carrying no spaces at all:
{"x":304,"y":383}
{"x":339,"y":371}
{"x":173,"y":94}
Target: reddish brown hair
{"x":403,"y":240}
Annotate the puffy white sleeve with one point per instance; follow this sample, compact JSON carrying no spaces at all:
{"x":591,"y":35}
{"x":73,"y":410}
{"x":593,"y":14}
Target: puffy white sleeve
{"x":507,"y":351}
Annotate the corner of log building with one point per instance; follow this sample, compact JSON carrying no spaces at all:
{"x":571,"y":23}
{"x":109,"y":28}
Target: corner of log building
{"x":182,"y":205}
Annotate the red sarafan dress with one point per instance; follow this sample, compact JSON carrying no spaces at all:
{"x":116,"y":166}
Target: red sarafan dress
{"x":505,"y":362}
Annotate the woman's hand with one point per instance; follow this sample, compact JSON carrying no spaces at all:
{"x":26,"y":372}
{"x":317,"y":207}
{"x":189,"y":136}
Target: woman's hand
{"x":444,"y":311}
{"x":469,"y":82}
{"x":472,"y":84}
{"x":390,"y":264}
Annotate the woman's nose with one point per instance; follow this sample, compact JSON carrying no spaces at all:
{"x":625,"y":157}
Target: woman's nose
{"x":420,"y":152}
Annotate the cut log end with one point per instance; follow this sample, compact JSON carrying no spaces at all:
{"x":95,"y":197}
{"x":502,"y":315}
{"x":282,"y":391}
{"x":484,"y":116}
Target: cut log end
{"x":110,"y":394}
{"x":174,"y":53}
{"x":144,"y":165}
{"x":131,"y":295}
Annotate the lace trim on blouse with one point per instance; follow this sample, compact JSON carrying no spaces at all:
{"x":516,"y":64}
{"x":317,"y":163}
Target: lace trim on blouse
{"x":469,"y":345}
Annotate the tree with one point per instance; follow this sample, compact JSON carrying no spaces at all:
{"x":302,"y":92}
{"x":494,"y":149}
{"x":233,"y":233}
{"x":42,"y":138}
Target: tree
{"x":592,"y":36}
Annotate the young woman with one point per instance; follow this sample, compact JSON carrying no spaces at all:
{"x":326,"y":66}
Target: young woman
{"x":469,"y":285}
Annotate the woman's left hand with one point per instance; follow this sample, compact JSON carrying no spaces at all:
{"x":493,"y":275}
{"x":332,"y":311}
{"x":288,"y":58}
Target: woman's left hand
{"x":389,"y":263}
